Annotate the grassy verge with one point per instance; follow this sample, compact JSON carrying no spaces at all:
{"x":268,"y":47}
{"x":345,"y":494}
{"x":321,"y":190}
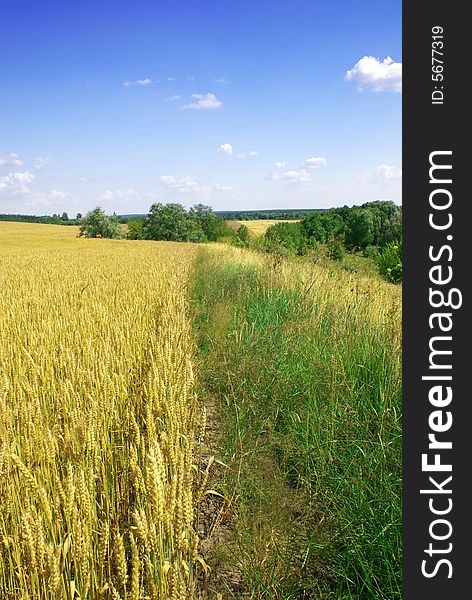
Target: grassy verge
{"x":304,"y":365}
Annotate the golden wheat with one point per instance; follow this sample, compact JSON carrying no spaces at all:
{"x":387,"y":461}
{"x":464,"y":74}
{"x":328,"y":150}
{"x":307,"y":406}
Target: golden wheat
{"x":98,"y":418}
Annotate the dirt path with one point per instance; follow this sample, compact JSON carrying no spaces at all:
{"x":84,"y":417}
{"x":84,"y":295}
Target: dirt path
{"x":215,"y":521}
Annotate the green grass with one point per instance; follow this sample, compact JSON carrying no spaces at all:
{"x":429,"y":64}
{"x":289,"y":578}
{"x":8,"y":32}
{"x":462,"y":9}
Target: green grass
{"x":305,"y":367}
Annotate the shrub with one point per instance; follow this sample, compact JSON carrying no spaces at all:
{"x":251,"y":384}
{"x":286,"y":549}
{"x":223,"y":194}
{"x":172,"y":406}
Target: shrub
{"x":135,"y":229}
{"x":390,"y":262}
{"x":243,"y":235}
{"x":288,"y":236}
{"x":335,"y":249}
{"x":371,"y":252}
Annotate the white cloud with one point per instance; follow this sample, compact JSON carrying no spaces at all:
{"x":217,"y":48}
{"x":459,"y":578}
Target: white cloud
{"x":174,"y":97}
{"x":49,"y":198}
{"x":129,"y":194}
{"x":204,"y":101}
{"x":186,"y":185}
{"x":16,"y":183}
{"x":387,"y":176}
{"x":10,"y":160}
{"x":314,"y":162}
{"x":280,"y":164}
{"x":371,"y":73}
{"x":248,"y":154}
{"x":41,"y":161}
{"x":386,"y":173}
{"x":172,"y":79}
{"x":221,"y":80}
{"x":226,"y":149}
{"x":142,"y":82}
{"x":301,"y":177}
{"x":183,"y":184}
{"x":223,"y":188}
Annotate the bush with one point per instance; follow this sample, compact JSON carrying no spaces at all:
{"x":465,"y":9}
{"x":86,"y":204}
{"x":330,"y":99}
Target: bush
{"x":287,"y":236}
{"x":371,"y":252}
{"x":96,"y":224}
{"x":390,"y":262}
{"x":335,"y":249}
{"x":243,"y":235}
{"x":135,"y":229}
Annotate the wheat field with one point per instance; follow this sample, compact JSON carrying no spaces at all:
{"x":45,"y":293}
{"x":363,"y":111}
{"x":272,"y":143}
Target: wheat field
{"x":99,"y":423}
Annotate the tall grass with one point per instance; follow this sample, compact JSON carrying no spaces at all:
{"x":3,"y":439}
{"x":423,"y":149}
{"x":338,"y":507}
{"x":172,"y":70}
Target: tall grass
{"x":305,"y":363}
{"x":98,"y":418}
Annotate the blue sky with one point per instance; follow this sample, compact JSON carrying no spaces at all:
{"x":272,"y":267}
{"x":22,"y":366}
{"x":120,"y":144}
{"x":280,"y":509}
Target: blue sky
{"x":240,"y":105}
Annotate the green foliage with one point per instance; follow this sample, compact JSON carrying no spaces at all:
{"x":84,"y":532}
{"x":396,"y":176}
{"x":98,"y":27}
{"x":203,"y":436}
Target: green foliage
{"x":170,"y":222}
{"x":390,"y":262}
{"x":288,"y":236}
{"x":371,"y":252}
{"x":287,"y":214}
{"x":54,"y":220}
{"x":135,"y":229}
{"x":335,"y":249}
{"x":64,"y":216}
{"x":243,"y":235}
{"x":212,"y":226}
{"x":360,"y":229}
{"x":96,"y":224}
{"x":312,"y":227}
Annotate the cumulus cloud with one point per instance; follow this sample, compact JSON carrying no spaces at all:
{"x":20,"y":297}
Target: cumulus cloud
{"x":248,"y":154}
{"x":314,"y":162}
{"x":226,"y":149}
{"x":371,"y":73}
{"x":41,"y":161}
{"x":384,"y":176}
{"x":280,"y":164}
{"x":203,"y":101}
{"x":49,"y":198}
{"x":301,"y":177}
{"x":142,"y":82}
{"x":129,"y":194}
{"x":16,"y":183}
{"x":186,"y":185}
{"x":10,"y":160}
{"x":386,"y":173}
{"x":174,"y":97}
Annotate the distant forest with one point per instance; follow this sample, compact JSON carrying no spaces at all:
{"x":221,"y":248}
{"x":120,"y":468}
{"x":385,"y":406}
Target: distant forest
{"x":289,"y":214}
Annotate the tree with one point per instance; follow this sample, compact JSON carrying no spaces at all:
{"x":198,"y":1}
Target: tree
{"x":78,"y":217}
{"x":312,"y":227}
{"x":171,"y":222}
{"x":213,"y":226}
{"x":360,"y":228}
{"x":64,"y":216}
{"x":96,"y":224}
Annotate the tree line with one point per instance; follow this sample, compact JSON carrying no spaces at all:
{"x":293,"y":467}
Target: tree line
{"x":169,"y":222}
{"x":54,"y":219}
{"x":375,"y":229}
